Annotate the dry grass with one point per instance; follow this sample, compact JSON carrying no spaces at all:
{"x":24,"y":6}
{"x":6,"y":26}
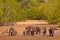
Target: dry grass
{"x":4,"y":36}
{"x":20,"y":29}
{"x":21,"y":37}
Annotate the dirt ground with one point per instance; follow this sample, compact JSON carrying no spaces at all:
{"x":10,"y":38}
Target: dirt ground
{"x":35,"y":37}
{"x":20,"y":36}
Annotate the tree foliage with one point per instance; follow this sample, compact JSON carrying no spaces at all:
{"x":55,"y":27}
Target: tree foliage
{"x":21,"y":10}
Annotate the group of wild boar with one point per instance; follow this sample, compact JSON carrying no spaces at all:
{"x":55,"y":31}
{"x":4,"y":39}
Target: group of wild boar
{"x":29,"y":30}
